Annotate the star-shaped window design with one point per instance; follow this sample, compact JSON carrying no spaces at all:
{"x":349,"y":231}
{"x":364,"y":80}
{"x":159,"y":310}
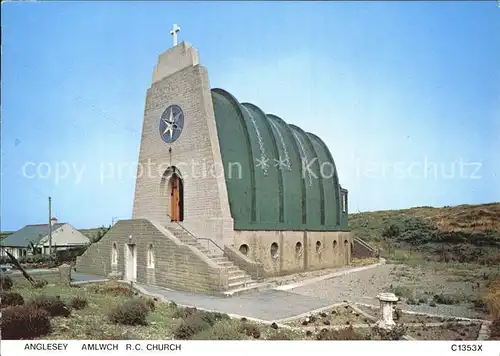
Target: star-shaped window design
{"x":171,"y":123}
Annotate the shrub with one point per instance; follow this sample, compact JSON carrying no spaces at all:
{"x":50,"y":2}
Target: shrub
{"x":132,"y":312}
{"x":395,"y":333}
{"x":391,"y":231}
{"x":150,"y":304}
{"x":411,"y":301}
{"x":5,"y":282}
{"x":10,"y":299}
{"x":495,"y":330}
{"x":493,"y":298}
{"x":41,"y":283}
{"x":182,"y":313}
{"x":403,"y":292}
{"x":191,"y":326}
{"x":249,"y":329}
{"x":195,"y":321}
{"x":21,"y":322}
{"x":78,"y":302}
{"x":445,"y":299}
{"x":343,"y":334}
{"x":113,"y":289}
{"x":52,"y":305}
{"x":224,"y":330}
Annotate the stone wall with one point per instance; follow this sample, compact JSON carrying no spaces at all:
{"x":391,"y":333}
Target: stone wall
{"x":285,"y":252}
{"x":176,"y":265}
{"x":52,"y":276}
{"x":362,"y":250}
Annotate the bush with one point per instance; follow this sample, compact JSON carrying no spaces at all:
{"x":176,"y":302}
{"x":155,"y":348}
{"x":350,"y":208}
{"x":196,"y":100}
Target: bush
{"x":224,"y":330}
{"x":78,"y":302}
{"x":132,"y":312}
{"x":495,"y":330}
{"x":191,"y":326}
{"x":150,"y":303}
{"x":249,"y":329}
{"x":396,"y":333}
{"x":10,"y":299}
{"x":343,"y":334}
{"x":402,"y":292}
{"x":445,"y":299}
{"x":52,"y":305}
{"x":22,"y":322}
{"x":493,"y":298}
{"x":5,"y":282}
{"x":41,"y":283}
{"x":182,"y":313}
{"x":113,"y":289}
{"x":195,"y":321}
{"x":391,"y":231}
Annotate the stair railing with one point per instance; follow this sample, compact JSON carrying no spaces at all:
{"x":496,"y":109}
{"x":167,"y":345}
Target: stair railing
{"x":197,"y":239}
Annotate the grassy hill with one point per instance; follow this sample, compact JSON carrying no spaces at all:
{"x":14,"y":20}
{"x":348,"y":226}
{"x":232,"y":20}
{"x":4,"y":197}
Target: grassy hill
{"x":464,"y":233}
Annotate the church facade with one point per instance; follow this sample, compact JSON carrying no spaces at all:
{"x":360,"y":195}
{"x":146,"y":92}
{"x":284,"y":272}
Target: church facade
{"x":225,"y":194}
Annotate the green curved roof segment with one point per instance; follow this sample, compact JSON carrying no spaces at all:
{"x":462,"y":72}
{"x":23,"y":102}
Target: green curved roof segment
{"x":278,"y":176}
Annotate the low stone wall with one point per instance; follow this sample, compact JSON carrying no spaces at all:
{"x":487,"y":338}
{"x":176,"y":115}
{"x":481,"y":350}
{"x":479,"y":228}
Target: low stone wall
{"x":254,"y":269}
{"x":52,"y":276}
{"x":361,"y":249}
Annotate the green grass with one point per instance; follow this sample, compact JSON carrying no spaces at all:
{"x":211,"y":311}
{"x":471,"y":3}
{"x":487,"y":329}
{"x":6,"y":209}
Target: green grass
{"x":92,"y":322}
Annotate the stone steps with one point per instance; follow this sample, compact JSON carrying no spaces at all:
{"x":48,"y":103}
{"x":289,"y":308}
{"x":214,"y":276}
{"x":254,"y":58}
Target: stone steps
{"x":239,"y":281}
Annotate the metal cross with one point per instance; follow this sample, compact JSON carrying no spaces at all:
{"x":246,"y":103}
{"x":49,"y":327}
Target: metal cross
{"x":173,"y":32}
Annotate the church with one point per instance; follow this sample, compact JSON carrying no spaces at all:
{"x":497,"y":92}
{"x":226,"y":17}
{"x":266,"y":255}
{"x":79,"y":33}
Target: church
{"x":225,"y":196}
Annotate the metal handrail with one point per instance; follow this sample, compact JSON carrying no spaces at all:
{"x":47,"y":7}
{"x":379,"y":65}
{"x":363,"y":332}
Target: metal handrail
{"x":212,"y":241}
{"x":193,"y":236}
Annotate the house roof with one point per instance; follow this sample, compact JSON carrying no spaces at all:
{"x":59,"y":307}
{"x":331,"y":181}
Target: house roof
{"x":29,"y":233}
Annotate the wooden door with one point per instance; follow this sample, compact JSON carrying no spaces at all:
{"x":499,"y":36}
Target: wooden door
{"x":175,"y":199}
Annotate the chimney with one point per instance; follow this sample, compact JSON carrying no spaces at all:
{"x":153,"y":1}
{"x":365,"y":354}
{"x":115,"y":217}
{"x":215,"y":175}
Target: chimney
{"x":53,"y":221}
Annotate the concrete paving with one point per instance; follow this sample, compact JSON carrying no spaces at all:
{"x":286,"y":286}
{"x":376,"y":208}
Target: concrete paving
{"x":267,"y":305}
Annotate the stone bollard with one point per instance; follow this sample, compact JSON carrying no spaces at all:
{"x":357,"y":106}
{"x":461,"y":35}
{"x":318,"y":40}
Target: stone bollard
{"x":65,"y":273}
{"x":387,"y":301}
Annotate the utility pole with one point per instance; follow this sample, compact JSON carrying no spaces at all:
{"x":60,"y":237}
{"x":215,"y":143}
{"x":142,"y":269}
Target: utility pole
{"x":50,"y":226}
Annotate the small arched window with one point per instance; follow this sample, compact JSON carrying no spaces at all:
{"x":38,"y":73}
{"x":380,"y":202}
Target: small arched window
{"x":244,"y":249}
{"x":274,"y":250}
{"x":151,"y":257}
{"x":114,"y":254}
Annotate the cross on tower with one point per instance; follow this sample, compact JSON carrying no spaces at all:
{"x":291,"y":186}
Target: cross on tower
{"x":173,"y":32}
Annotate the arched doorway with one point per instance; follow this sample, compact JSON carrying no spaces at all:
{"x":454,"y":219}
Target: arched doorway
{"x":176,"y":198}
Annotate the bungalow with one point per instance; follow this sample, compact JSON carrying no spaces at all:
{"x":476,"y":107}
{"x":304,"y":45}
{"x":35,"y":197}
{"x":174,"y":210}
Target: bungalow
{"x":64,"y":236}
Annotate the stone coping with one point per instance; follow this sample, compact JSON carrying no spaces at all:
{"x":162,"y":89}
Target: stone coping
{"x":429,"y":314}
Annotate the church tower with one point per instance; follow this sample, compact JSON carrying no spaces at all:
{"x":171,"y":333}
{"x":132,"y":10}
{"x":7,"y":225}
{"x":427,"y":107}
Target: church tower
{"x":180,"y":175}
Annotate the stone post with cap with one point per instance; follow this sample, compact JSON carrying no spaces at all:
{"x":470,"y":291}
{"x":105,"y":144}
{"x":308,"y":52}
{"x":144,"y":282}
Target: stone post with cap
{"x":387,"y":301}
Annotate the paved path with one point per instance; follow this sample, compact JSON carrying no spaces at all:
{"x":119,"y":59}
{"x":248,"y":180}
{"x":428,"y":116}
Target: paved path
{"x":267,"y":305}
